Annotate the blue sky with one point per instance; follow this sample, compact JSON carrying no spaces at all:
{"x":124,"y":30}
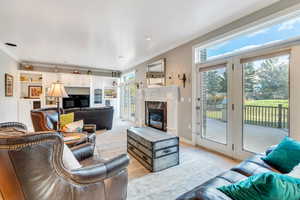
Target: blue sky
{"x":278,"y":32}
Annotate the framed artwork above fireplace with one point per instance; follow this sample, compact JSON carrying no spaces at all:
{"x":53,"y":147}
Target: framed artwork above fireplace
{"x":156,"y":73}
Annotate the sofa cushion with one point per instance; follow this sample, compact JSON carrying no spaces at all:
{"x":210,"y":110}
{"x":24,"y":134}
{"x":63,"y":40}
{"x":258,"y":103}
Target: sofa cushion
{"x":232,"y":176}
{"x":208,"y":189}
{"x":215,"y":182}
{"x":285,"y":156}
{"x":253,"y":166}
{"x":207,"y":193}
{"x":69,"y":159}
{"x":264,"y":186}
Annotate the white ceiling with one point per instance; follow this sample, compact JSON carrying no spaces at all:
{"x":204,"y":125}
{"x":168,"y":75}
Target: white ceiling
{"x":96,"y":33}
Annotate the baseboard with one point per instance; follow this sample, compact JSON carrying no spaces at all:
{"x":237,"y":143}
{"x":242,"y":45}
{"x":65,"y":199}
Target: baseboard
{"x":182,"y":139}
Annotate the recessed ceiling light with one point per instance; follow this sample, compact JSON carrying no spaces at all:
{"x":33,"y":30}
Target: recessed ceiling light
{"x":10,"y":44}
{"x":148,"y":38}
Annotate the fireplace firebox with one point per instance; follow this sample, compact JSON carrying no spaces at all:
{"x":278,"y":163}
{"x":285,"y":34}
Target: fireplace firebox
{"x":156,"y":115}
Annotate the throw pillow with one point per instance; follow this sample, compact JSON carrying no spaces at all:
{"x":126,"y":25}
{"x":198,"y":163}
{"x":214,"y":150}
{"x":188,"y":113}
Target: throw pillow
{"x":69,"y":160}
{"x":285,"y":156}
{"x":66,"y":119}
{"x":264,"y":186}
{"x":73,"y":127}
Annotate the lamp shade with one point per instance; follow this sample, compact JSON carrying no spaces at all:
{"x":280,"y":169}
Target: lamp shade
{"x":57,"y":90}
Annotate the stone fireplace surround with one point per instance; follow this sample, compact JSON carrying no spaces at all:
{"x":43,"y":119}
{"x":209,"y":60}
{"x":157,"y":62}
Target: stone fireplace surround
{"x":168,"y":94}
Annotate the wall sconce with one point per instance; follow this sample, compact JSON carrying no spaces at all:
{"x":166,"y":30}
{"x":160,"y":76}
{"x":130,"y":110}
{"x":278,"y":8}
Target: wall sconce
{"x":28,"y":67}
{"x":139,"y":85}
{"x":114,"y":83}
{"x":76,"y":72}
{"x":183,"y":79}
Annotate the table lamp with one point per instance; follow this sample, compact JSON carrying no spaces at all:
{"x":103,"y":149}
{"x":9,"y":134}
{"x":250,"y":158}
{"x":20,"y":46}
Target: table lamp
{"x":58,"y":91}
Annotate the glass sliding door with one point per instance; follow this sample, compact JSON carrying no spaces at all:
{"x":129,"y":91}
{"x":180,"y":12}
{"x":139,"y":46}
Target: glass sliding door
{"x":126,"y":102}
{"x":132,"y":97}
{"x":265,"y":102}
{"x":213,"y":105}
{"x":128,"y":95}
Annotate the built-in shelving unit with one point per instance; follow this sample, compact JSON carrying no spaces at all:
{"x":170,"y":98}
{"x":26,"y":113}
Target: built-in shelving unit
{"x":97,"y":85}
{"x":28,"y":80}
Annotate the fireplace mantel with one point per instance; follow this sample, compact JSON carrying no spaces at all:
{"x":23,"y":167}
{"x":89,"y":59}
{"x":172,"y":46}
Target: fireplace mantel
{"x":169,"y":94}
{"x":165,"y":93}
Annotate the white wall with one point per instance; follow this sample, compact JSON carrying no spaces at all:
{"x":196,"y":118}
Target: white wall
{"x":8,"y":105}
{"x":180,"y":59}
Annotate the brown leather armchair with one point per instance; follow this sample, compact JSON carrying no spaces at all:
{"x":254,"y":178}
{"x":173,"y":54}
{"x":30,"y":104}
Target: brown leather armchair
{"x":32,"y":168}
{"x":46,"y":120}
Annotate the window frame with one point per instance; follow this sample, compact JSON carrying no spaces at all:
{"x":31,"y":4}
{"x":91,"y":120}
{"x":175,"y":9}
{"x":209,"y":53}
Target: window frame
{"x":237,"y":97}
{"x":244,"y":30}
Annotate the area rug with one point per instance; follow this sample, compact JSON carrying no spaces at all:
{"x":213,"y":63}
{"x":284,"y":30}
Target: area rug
{"x":196,"y":166}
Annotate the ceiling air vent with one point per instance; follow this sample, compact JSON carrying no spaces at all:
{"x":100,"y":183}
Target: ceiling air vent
{"x":10,"y":44}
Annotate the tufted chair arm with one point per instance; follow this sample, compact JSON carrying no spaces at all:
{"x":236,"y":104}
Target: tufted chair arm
{"x":101,"y":171}
{"x":13,"y":125}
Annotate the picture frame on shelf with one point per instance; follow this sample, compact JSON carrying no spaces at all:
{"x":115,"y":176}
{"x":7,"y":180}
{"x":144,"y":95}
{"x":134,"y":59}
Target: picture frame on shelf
{"x":9,"y":85}
{"x":110,"y":93}
{"x":34,"y":92}
{"x":98,"y":96}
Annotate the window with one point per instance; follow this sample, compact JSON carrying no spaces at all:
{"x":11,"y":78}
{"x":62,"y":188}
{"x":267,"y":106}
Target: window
{"x":128,"y":77}
{"x":284,"y":30}
{"x":265,"y":102}
{"x":213,"y":95}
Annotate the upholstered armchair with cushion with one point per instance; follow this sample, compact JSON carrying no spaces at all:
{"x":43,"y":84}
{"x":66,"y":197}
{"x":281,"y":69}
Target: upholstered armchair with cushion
{"x":32,"y":167}
{"x":46,"y":120}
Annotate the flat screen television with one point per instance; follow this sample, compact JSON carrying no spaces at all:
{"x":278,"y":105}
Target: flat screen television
{"x":76,"y":101}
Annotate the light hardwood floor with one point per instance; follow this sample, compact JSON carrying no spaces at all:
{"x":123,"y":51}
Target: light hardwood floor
{"x":113,"y":142}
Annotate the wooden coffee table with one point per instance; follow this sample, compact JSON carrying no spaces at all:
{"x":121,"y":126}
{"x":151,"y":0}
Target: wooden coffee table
{"x":73,"y":139}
